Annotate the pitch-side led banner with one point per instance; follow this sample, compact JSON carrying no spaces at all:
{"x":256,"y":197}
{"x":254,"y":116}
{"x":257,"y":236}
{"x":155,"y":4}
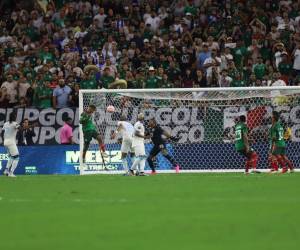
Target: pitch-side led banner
{"x":192,"y":125}
{"x":63,"y":159}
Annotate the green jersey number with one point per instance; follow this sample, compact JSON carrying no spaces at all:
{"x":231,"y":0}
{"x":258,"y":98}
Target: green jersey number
{"x":238,"y":135}
{"x":280,"y":134}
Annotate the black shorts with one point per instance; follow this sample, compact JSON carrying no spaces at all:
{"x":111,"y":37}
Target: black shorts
{"x":157,"y":149}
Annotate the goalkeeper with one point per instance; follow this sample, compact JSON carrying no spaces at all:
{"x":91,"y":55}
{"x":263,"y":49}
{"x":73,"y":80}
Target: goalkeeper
{"x":156,"y":134}
{"x":242,"y":145}
{"x":89,"y":131}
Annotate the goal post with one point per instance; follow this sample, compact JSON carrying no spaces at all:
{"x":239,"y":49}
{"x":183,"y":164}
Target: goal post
{"x":202,"y":118}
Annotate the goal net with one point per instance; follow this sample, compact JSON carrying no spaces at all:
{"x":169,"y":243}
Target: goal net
{"x":202,"y":119}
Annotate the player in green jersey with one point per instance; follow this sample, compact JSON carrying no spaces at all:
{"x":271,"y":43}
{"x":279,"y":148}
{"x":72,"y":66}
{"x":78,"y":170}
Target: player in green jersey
{"x":242,"y":145}
{"x":278,"y":146}
{"x":90,"y":131}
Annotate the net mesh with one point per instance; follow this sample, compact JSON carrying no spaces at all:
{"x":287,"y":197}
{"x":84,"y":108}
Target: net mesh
{"x":203,"y":120}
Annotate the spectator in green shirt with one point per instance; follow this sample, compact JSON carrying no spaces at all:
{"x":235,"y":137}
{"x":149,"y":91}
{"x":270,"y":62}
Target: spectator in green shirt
{"x":285,"y":67}
{"x":238,"y":81}
{"x":45,"y":55}
{"x":88,"y":82}
{"x":260,"y":69}
{"x":43,"y":95}
{"x":152,"y":81}
{"x":239,"y":54}
{"x":106,"y":79}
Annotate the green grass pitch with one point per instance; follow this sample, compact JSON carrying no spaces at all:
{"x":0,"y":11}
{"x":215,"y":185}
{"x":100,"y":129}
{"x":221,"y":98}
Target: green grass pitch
{"x":169,"y":212}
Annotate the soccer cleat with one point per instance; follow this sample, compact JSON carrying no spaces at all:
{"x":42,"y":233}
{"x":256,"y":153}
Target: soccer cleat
{"x":177,"y":168}
{"x":255,"y":172}
{"x":130,"y":172}
{"x":153,"y":172}
{"x":142,"y":174}
{"x":284,"y":170}
{"x":273,"y":171}
{"x":11,"y":175}
{"x":6,"y":172}
{"x":127,"y":173}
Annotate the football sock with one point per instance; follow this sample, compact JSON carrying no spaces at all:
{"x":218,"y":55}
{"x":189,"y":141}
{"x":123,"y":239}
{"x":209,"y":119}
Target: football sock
{"x":247,"y":165}
{"x":14,"y":164}
{"x":125,"y":164}
{"x":274,"y":165}
{"x":289,"y":164}
{"x":151,"y":164}
{"x":170,"y":159}
{"x":142,"y":165}
{"x":9,"y":162}
{"x":254,"y":159}
{"x":135,"y":163}
{"x":281,"y":161}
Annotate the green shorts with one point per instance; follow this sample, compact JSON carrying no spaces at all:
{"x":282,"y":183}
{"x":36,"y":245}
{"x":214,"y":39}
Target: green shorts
{"x":278,"y":151}
{"x":89,"y":135}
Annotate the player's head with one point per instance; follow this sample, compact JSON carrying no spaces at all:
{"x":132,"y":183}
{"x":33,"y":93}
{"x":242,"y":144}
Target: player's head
{"x":123,"y":118}
{"x":275,"y":116}
{"x":12,"y":117}
{"x":152,"y":123}
{"x":91,"y":109}
{"x":141,"y":117}
{"x":25,"y":123}
{"x":68,"y":120}
{"x":242,"y":118}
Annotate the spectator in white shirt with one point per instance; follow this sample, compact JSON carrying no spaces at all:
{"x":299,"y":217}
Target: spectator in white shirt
{"x":279,"y":48}
{"x":296,"y":54}
{"x":224,"y":80}
{"x":277,"y":81}
{"x":22,"y":87}
{"x":225,"y":57}
{"x":212,"y":62}
{"x":154,"y":21}
{"x":100,"y":17}
{"x":11,"y":89}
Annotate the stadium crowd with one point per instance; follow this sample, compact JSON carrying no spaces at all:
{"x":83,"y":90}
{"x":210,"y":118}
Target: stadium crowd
{"x":50,"y":49}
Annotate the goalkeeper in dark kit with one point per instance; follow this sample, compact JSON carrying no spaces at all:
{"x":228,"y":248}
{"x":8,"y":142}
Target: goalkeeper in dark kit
{"x":156,"y":134}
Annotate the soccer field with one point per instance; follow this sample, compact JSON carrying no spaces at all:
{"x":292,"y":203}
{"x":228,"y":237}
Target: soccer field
{"x":170,"y":212}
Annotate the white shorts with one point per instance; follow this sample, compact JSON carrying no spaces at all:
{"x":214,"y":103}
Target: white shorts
{"x":12,"y":149}
{"x":139,"y":150}
{"x":126,"y":146}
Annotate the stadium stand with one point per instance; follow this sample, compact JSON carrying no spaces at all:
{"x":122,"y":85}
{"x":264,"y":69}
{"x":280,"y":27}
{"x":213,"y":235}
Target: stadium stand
{"x":53,"y":47}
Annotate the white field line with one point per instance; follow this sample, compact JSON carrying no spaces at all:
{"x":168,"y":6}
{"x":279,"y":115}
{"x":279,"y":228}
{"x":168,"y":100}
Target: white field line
{"x":199,"y":171}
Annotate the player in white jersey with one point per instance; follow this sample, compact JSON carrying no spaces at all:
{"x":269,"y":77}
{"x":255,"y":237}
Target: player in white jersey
{"x":10,"y":129}
{"x":125,"y":129}
{"x":139,"y":146}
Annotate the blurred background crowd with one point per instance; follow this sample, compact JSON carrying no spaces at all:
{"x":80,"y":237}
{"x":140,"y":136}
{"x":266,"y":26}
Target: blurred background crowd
{"x":49,"y":49}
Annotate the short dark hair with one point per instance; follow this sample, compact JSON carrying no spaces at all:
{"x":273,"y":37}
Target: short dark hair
{"x":152,"y":120}
{"x":242,"y":118}
{"x":12,"y":117}
{"x":275,"y":115}
{"x":67,"y":119}
{"x":24,"y":120}
{"x":92,"y":106}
